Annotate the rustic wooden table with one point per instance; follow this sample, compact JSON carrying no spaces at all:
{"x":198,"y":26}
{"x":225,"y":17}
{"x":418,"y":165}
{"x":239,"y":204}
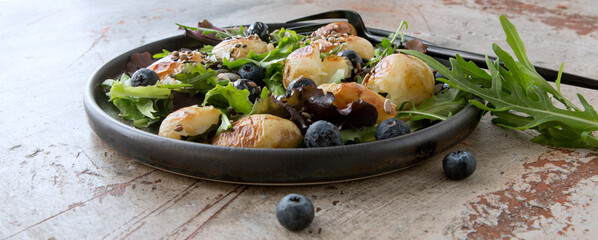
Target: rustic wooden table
{"x":60,"y":181}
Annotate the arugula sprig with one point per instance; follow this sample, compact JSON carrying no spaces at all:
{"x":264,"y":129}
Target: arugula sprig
{"x":387,"y":47}
{"x":226,"y":33}
{"x":519,"y":97}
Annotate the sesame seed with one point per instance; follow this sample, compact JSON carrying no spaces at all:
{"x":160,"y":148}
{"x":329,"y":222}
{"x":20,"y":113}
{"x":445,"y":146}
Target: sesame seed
{"x":245,"y":45}
{"x":238,"y":45}
{"x":388,"y":106}
{"x":184,"y":56}
{"x":178,"y":128}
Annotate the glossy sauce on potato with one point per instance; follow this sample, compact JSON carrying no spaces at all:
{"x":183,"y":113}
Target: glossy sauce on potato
{"x":346,"y":93}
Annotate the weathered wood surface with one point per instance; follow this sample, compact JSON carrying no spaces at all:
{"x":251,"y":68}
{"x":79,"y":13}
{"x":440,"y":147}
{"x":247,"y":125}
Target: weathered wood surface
{"x":59,"y":181}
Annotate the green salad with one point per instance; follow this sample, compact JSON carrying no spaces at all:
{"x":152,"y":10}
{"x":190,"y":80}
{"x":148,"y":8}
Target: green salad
{"x":256,"y":87}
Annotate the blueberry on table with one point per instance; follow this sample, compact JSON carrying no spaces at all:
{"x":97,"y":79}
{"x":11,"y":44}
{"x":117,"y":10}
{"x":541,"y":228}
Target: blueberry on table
{"x":298,"y":84}
{"x":144,"y":77}
{"x":254,"y":89}
{"x":252,"y":72}
{"x":295,"y":212}
{"x":353,"y":57}
{"x":458,"y":165}
{"x":260,"y":29}
{"x":322,"y":134}
{"x":390,"y":128}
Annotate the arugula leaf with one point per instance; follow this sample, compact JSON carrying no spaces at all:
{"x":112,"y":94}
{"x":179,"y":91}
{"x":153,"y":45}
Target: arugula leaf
{"x":520,"y":98}
{"x":366,"y":134}
{"x":338,"y":76}
{"x":387,"y":47}
{"x":224,"y":123}
{"x":164,"y":53}
{"x":229,"y":96}
{"x":222,"y":34}
{"x":334,"y":51}
{"x":200,"y":78}
{"x":439,"y":107}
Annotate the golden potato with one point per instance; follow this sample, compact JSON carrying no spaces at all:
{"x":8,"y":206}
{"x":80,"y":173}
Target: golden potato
{"x":189,"y":121}
{"x":261,"y":131}
{"x":173,"y":63}
{"x":404,"y":78}
{"x":306,"y":62}
{"x":238,"y":48}
{"x":332,"y":64}
{"x":336,"y":27}
{"x":346,"y":93}
{"x":361,"y":46}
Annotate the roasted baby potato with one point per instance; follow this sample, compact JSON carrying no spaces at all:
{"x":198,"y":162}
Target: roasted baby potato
{"x":189,"y":121}
{"x":360,"y":45}
{"x":261,"y":131}
{"x":346,"y":93}
{"x":336,"y":27}
{"x":173,"y":63}
{"x":306,"y":62}
{"x":403,"y":77}
{"x":238,"y":48}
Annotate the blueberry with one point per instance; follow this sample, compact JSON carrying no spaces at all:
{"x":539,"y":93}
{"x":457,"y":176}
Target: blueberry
{"x":259,"y":28}
{"x":298,"y":84}
{"x":391,"y":127}
{"x":252,"y":72}
{"x":353,"y":57}
{"x":144,"y":77}
{"x":254,"y":89}
{"x":322,"y":134}
{"x":295,"y":212}
{"x":458,"y":165}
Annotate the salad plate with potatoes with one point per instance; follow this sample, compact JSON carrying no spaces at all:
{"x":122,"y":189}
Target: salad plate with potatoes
{"x":265,"y":104}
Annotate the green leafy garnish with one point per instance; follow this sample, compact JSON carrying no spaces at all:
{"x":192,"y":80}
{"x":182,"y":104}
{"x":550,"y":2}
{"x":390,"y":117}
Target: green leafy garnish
{"x":334,"y":51}
{"x":387,"y":47}
{"x":338,"y":76}
{"x":224,"y":123}
{"x":519,"y":97}
{"x":226,"y":33}
{"x":198,"y":77}
{"x":144,"y":105}
{"x":439,"y":107}
{"x":229,"y":96}
{"x":366,"y":134}
{"x":164,"y":53}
